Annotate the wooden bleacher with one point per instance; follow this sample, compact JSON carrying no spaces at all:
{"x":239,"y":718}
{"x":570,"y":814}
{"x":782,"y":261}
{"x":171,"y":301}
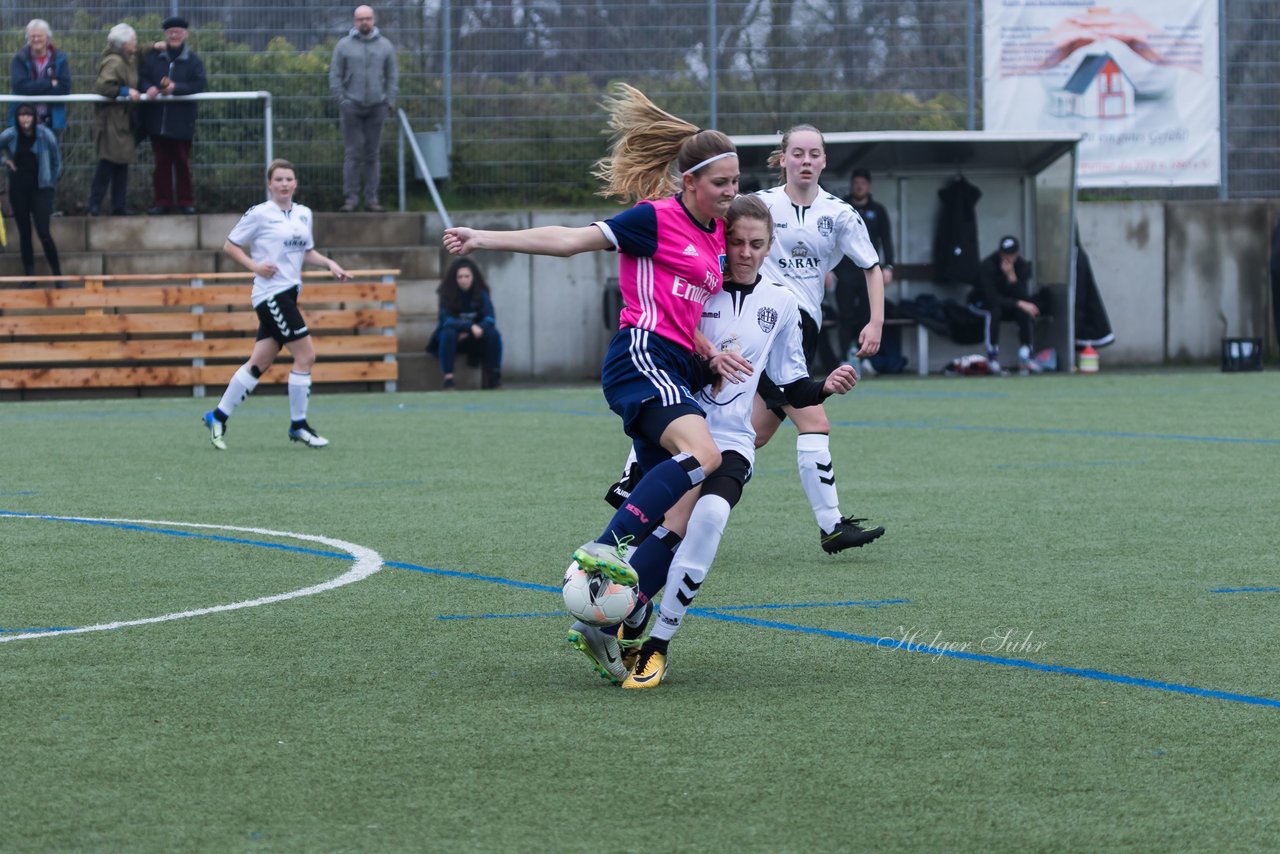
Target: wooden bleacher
{"x":185,"y":331}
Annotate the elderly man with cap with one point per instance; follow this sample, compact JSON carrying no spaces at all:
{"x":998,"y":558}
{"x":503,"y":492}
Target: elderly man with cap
{"x":172,"y":68}
{"x":1004,"y":293}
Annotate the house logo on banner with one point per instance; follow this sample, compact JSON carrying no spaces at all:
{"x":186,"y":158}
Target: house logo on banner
{"x":1140,"y":82}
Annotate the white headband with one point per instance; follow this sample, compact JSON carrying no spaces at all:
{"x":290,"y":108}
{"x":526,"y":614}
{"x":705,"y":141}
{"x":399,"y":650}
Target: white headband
{"x":708,"y":161}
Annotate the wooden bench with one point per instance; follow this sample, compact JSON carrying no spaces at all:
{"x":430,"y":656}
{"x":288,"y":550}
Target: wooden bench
{"x":184,"y":330}
{"x":922,"y":274}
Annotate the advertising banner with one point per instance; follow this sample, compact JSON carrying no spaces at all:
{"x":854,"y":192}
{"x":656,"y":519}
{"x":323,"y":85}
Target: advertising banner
{"x":1140,"y":81}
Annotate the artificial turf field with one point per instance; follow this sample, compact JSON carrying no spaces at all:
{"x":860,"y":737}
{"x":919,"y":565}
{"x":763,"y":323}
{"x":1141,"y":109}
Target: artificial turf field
{"x":1065,"y":641}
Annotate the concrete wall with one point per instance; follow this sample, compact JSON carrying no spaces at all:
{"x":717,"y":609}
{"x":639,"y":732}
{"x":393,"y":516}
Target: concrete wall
{"x":1175,"y":278}
{"x":1125,"y":242}
{"x":549,"y":309}
{"x":1217,"y":283}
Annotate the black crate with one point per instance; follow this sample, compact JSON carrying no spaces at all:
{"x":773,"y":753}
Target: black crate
{"x":1241,"y":354}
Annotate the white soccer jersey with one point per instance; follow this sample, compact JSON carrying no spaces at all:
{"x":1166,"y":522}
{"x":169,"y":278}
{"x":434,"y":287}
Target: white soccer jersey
{"x":763,"y":324}
{"x":281,"y":237}
{"x":808,"y":242}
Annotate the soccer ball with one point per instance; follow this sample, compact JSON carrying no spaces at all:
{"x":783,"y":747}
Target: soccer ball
{"x":594,"y":599}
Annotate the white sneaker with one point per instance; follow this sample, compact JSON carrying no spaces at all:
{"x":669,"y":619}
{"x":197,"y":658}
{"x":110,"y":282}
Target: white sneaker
{"x":602,"y":649}
{"x":217,"y":430}
{"x":867,"y":369}
{"x":307,"y":436}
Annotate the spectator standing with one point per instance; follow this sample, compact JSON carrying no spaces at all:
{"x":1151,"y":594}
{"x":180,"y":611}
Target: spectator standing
{"x":851,"y":287}
{"x":113,"y":123}
{"x":39,"y":68}
{"x":29,"y":151}
{"x":875,"y":216}
{"x":1004,"y":293}
{"x":467,"y":324}
{"x":171,"y":125}
{"x":363,"y":78}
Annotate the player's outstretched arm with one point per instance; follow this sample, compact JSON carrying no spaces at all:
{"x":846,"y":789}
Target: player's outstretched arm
{"x":557,"y":240}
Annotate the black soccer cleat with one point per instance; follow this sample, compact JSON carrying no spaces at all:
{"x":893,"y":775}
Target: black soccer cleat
{"x":848,"y":534}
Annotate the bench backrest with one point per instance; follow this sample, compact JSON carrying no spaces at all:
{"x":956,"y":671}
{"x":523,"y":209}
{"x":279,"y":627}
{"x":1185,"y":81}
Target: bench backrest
{"x":184,"y":330}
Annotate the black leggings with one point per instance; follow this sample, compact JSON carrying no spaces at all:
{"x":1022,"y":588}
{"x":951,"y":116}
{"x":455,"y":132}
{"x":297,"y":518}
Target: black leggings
{"x":33,"y":204}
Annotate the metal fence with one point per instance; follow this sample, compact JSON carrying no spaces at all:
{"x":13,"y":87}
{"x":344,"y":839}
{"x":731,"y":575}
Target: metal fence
{"x":516,"y":83}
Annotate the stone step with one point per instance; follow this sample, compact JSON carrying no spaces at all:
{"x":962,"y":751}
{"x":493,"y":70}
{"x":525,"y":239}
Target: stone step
{"x":209,"y":231}
{"x":420,"y":372}
{"x":115,"y":263}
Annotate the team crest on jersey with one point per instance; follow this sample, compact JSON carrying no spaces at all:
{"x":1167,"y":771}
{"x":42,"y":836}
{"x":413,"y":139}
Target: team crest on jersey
{"x":800,"y":250}
{"x":826,"y":225}
{"x":767,"y":318}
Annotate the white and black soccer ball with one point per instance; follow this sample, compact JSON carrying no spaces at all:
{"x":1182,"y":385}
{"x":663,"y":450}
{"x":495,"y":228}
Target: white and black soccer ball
{"x":594,"y":599}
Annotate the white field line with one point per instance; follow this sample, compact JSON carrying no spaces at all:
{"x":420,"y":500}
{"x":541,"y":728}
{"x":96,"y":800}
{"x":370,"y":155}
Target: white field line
{"x":367,"y":562}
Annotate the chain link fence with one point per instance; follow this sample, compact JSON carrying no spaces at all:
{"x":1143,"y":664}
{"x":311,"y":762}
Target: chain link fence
{"x":516,"y":85}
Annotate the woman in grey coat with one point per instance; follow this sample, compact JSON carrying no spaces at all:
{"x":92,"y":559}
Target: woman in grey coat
{"x":113,"y":124}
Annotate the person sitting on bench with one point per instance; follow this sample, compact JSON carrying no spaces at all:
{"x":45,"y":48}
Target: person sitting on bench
{"x":1004,"y":293}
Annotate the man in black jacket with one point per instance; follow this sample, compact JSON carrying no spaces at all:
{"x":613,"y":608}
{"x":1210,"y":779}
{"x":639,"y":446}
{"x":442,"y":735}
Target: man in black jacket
{"x":851,"y":285}
{"x":173,"y":70}
{"x":1004,"y":293}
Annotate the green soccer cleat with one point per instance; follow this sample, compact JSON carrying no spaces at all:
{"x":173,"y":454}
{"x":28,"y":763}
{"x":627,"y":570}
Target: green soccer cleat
{"x":601,"y":649}
{"x":609,"y":561}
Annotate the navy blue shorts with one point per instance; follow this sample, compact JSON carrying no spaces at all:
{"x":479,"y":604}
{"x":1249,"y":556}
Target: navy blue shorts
{"x":646,"y":380}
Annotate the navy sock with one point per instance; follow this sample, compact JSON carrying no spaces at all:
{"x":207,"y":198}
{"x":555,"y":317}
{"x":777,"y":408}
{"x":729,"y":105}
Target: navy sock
{"x":652,"y":560}
{"x":655,"y":494}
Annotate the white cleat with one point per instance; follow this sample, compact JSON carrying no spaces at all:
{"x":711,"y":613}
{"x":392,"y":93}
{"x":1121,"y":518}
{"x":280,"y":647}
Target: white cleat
{"x":601,"y":649}
{"x":307,"y":436}
{"x":217,"y":430}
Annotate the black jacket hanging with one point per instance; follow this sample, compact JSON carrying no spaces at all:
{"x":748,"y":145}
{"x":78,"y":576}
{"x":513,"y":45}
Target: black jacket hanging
{"x":955,"y":239}
{"x":1093,"y":327}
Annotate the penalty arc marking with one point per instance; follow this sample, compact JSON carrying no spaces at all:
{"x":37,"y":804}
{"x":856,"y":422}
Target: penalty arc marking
{"x":367,"y":562}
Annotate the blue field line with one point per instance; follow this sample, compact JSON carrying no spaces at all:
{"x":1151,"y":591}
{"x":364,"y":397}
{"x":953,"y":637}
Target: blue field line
{"x":718,"y":614}
{"x":1245,"y":590}
{"x":191,"y":535}
{"x":350,"y":484}
{"x":502,"y":616}
{"x":1066,"y":464}
{"x":1081,"y":673}
{"x":868,"y":603}
{"x":875,"y":603}
{"x":471,"y":576}
{"x":1055,"y":431}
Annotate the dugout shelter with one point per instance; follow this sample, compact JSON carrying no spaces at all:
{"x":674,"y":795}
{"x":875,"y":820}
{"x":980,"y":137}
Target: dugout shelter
{"x":1028,"y":184}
